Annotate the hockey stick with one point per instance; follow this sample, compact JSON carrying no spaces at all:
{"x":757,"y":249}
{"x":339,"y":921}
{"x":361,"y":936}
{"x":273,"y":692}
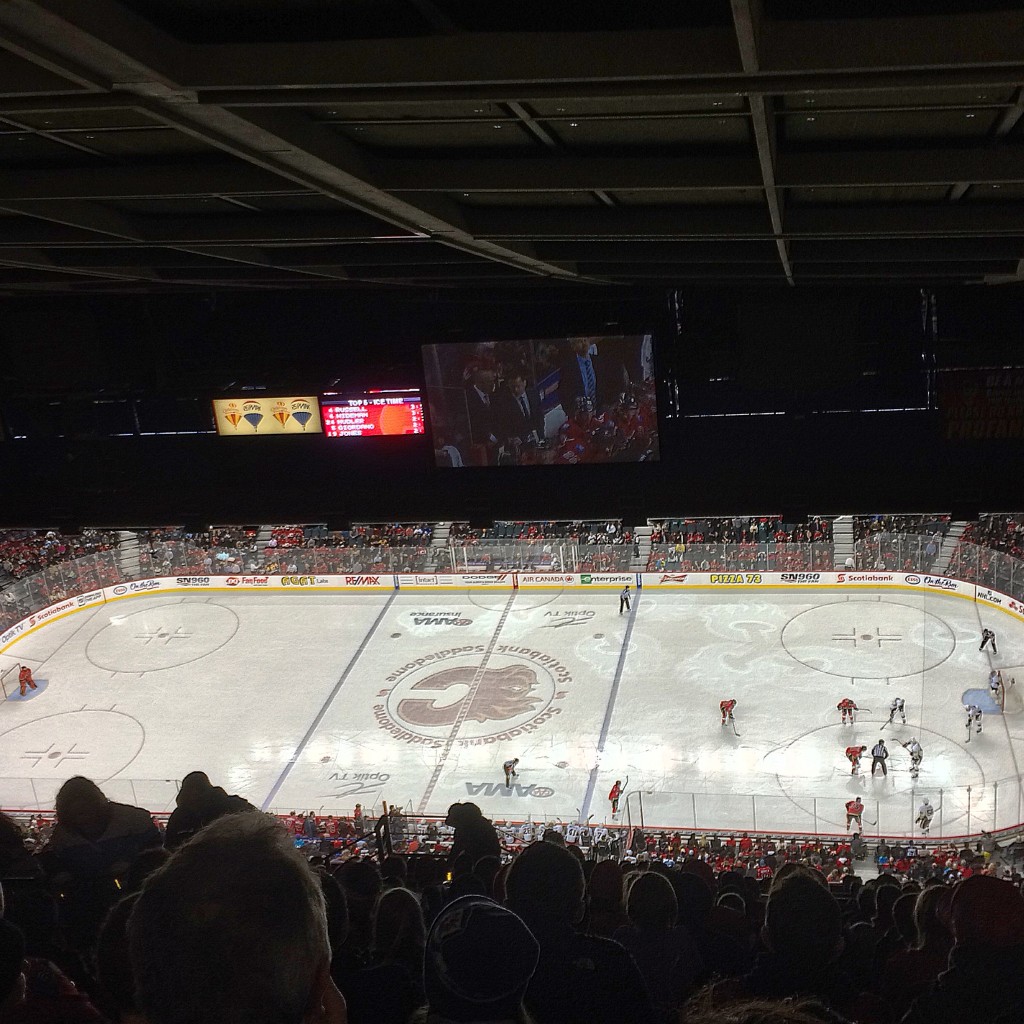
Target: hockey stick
{"x":733,"y":720}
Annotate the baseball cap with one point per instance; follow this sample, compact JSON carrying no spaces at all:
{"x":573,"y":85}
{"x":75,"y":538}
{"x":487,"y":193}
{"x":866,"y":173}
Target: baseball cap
{"x":478,"y":959}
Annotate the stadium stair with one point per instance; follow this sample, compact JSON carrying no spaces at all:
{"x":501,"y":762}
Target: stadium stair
{"x":642,"y":536}
{"x":263,"y":537}
{"x":948,"y":546}
{"x":842,"y":540}
{"x":438,"y":557}
{"x":128,"y":553}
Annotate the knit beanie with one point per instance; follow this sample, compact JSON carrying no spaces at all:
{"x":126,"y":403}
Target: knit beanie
{"x":478,"y":960}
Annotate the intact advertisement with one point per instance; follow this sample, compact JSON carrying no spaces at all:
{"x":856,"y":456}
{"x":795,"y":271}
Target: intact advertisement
{"x":251,"y":417}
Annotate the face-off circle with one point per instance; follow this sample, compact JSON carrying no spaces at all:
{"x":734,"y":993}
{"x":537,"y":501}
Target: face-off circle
{"x":162,"y":636}
{"x":98,"y":744}
{"x":868,"y":639}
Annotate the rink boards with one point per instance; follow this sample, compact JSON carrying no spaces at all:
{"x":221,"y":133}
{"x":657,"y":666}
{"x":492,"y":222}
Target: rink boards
{"x":325,"y":692}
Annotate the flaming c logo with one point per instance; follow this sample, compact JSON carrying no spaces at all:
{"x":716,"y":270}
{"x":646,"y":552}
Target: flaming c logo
{"x":502,"y":694}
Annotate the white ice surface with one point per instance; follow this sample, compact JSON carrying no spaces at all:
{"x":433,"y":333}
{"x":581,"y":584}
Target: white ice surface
{"x":322,"y":700}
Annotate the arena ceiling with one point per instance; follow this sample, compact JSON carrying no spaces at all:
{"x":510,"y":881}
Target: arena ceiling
{"x":152,"y":145}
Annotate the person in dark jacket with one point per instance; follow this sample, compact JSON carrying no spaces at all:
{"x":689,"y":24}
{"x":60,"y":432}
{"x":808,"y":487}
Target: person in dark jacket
{"x":474,"y":834}
{"x":198,"y":803}
{"x":579,"y":977}
{"x":92,"y":845}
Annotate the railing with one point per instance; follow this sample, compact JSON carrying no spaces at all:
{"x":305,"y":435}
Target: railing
{"x":959,"y":811}
{"x":991,"y":806}
{"x":540,"y":555}
{"x":769,"y":557}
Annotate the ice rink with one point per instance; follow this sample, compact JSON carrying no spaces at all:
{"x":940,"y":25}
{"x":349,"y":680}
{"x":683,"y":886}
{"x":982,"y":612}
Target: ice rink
{"x":322,"y":700}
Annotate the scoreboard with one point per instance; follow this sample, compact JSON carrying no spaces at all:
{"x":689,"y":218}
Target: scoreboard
{"x":371,"y":415}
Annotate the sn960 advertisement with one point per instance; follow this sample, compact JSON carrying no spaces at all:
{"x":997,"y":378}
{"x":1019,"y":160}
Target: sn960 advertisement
{"x":564,"y":401}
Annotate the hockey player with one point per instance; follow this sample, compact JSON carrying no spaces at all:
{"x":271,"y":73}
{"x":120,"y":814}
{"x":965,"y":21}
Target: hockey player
{"x":913,"y":748}
{"x":854,"y":809}
{"x":846,"y":708}
{"x":879,"y":754}
{"x":974,"y":714}
{"x":726,"y":707}
{"x":995,"y":684}
{"x":988,"y":637}
{"x":896,"y":707}
{"x":509,"y":768}
{"x":854,"y":754}
{"x":25,"y":679}
{"x":624,"y":599}
{"x":613,"y":796}
{"x":925,"y":813}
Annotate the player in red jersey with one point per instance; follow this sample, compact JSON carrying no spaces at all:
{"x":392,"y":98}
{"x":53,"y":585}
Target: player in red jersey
{"x":726,"y":707}
{"x":854,"y":809}
{"x":854,"y":755}
{"x":846,"y":708}
{"x":613,"y":796}
{"x":25,"y":679}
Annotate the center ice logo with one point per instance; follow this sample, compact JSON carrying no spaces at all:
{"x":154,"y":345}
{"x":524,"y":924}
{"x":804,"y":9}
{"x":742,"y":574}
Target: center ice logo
{"x":510,"y":694}
{"x":495,"y":695}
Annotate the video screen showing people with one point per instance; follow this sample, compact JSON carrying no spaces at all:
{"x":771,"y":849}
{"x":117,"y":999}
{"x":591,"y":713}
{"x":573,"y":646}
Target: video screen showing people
{"x":558,"y":402}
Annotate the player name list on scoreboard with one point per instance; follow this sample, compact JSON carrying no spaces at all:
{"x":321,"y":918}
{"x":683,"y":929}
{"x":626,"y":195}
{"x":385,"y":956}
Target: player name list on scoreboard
{"x":372,"y":416}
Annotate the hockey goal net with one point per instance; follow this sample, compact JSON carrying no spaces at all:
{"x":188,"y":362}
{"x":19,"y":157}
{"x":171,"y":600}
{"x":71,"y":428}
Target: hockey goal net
{"x":1011,"y":699}
{"x":9,"y":681}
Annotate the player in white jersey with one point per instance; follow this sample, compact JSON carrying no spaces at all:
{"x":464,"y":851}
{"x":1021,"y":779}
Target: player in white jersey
{"x":897,"y":707}
{"x":995,"y":684}
{"x":916,"y":756}
{"x":925,"y":813}
{"x":974,"y":714}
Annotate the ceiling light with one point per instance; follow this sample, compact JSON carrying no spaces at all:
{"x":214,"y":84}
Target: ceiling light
{"x":478,"y":110}
{"x":716,"y":103}
{"x":972,"y":115}
{"x":810,"y":119}
{"x":574,"y":124}
{"x":497,"y":126}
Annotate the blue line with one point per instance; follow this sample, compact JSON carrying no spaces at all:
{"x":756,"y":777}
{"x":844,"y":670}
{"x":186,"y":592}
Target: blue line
{"x":606,"y":725}
{"x":327,"y":703}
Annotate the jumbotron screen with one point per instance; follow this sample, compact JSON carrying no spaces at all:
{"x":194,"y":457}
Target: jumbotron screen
{"x":557,"y":402}
{"x":372,"y":415}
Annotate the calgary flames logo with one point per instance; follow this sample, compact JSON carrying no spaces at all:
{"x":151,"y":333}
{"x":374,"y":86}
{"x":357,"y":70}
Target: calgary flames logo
{"x":474,"y":697}
{"x":500,"y":695}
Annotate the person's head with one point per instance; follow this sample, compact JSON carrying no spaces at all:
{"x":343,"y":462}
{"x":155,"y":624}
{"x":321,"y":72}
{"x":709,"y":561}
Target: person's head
{"x":232,"y":928}
{"x":546,"y":883}
{"x":478,"y":961}
{"x":803,"y":924}
{"x":652,"y":902}
{"x":903,"y":917}
{"x":194,"y":788}
{"x":483,"y":379}
{"x":81,"y":807}
{"x":605,"y":885}
{"x":517,"y":385}
{"x":397,"y":928}
{"x":462,"y":815}
{"x":580,"y":346}
{"x":931,"y":917}
{"x":11,"y":835}
{"x":987,"y":913}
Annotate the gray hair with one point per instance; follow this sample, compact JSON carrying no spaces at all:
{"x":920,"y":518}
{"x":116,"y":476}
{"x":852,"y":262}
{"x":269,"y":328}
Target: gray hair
{"x":232,"y":928}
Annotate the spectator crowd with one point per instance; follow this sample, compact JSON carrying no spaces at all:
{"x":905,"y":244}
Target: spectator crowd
{"x":741,"y":543}
{"x":224,"y":915}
